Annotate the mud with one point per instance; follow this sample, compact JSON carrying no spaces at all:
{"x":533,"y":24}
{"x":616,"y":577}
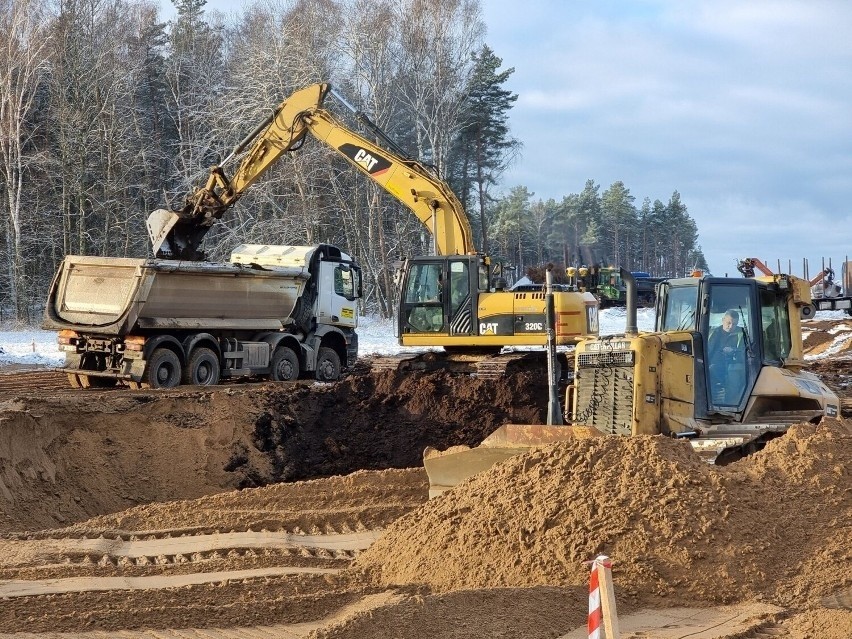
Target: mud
{"x":251,"y":510}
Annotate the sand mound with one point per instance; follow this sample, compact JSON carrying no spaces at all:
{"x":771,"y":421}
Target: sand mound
{"x":677,"y":527}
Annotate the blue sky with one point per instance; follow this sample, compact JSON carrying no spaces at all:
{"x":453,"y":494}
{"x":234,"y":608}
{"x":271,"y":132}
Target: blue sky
{"x":744,"y":107}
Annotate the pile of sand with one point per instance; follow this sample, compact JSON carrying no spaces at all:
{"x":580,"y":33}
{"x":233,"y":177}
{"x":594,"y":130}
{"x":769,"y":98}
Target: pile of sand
{"x":776,"y":524}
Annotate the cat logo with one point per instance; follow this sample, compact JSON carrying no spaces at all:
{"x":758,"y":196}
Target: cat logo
{"x":347,"y":313}
{"x":488,"y":328}
{"x":366,"y":160}
{"x":372,"y":163}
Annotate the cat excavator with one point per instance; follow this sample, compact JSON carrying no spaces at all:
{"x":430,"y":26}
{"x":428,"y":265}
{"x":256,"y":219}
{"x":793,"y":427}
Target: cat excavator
{"x":448,"y":298}
{"x":676,"y":380}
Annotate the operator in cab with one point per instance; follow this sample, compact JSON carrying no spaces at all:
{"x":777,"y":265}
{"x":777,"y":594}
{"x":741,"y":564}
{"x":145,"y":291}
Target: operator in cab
{"x":726,"y":353}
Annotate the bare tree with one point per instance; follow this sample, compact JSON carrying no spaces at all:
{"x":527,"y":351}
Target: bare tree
{"x":23,"y":63}
{"x":439,"y":38}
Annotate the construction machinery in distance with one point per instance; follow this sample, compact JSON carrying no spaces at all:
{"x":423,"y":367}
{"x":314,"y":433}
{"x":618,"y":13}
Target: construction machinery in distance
{"x":674,"y":381}
{"x":447,"y":299}
{"x":826,"y":293}
{"x":606,"y":283}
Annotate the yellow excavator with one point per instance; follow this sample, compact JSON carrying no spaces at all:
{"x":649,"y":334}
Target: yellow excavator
{"x":723,"y":369}
{"x":447,"y":299}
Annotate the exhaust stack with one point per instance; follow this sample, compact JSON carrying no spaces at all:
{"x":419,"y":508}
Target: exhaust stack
{"x":632,"y":296}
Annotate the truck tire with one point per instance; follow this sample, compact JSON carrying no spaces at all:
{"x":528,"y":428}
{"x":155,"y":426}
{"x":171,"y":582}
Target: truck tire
{"x":163,"y":369}
{"x":285,"y":365}
{"x":328,"y":365}
{"x":202,"y":369}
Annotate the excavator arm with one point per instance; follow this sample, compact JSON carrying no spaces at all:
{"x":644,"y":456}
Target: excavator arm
{"x":178,"y":234}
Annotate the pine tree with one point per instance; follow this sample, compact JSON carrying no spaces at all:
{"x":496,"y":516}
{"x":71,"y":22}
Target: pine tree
{"x":485,"y":148}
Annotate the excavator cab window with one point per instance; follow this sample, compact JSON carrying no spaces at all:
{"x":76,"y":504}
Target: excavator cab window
{"x":424,"y":298}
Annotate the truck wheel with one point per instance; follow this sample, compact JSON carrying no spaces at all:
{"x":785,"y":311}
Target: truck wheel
{"x":163,"y":369}
{"x":328,"y":365}
{"x":285,"y":365}
{"x":202,"y":368}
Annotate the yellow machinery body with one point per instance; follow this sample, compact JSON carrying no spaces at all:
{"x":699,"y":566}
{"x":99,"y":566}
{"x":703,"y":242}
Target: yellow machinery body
{"x":672,"y":382}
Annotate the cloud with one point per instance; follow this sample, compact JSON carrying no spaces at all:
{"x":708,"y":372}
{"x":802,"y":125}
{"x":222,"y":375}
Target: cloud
{"x":742,"y":107}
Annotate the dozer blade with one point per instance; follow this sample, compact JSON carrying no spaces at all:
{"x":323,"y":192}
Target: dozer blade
{"x":160,"y":223}
{"x":449,"y":467}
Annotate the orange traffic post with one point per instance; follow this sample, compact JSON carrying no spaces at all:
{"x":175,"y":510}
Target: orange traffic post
{"x":602,"y":600}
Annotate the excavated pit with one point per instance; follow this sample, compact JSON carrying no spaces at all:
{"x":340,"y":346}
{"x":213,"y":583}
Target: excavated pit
{"x":65,"y":457}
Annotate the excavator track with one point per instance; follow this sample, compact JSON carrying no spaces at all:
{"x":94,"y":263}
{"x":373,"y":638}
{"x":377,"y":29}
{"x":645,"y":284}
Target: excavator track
{"x":485,"y":366}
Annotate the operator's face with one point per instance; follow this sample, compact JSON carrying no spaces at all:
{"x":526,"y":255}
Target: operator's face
{"x":728,"y":323}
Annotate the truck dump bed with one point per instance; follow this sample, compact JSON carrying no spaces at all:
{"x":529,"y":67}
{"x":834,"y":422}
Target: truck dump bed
{"x":116,"y":296}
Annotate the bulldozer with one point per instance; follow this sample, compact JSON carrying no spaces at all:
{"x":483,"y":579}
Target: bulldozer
{"x":678,"y":380}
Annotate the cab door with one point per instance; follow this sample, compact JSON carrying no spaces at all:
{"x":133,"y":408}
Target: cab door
{"x":732,"y":357}
{"x":462,"y":297}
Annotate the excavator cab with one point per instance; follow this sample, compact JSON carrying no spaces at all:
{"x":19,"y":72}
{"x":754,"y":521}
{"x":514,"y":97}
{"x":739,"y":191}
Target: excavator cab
{"x":448,"y":301}
{"x":440,"y":293}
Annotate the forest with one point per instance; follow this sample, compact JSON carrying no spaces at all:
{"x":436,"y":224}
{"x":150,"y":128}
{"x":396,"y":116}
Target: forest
{"x":108,"y":112}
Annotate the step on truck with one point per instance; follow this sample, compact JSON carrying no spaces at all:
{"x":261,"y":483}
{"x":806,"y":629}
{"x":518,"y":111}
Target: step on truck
{"x":276,"y":312}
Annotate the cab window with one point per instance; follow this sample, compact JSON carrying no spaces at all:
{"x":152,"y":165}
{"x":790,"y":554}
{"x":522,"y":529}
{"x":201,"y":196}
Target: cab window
{"x":425,"y":284}
{"x":681,"y":305}
{"x":344,"y":281}
{"x":775,"y":326}
{"x":459,"y":285}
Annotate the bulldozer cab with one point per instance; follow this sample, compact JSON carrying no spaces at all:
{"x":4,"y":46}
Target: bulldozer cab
{"x":440,"y":295}
{"x":738,"y":325}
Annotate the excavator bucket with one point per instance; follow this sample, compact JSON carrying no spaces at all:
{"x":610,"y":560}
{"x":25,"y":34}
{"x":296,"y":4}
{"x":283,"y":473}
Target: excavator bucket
{"x":449,"y":467}
{"x":160,"y":222}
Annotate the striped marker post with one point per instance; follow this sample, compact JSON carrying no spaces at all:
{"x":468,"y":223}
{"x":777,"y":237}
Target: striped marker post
{"x":602,"y":599}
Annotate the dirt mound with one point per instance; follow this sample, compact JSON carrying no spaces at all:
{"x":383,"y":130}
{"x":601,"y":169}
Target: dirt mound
{"x":385,"y":420}
{"x":72,"y":456}
{"x":362,"y":500}
{"x":678,"y":528}
{"x":826,"y":338}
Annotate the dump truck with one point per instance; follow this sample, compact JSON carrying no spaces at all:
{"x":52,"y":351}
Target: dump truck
{"x":727,"y":395}
{"x":278,"y":312}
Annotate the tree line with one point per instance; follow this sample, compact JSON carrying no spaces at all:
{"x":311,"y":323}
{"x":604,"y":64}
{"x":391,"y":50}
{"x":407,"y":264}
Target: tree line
{"x":591,"y":228}
{"x":107,"y":113}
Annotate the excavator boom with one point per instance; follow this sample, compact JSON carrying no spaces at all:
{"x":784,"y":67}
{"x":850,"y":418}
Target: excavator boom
{"x":178,"y":234}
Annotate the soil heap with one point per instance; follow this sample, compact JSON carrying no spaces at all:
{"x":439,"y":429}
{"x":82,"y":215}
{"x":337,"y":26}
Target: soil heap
{"x":677,"y":528}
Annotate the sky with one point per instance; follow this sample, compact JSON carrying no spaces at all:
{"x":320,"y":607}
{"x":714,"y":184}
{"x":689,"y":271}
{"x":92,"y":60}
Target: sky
{"x":743,"y":107}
